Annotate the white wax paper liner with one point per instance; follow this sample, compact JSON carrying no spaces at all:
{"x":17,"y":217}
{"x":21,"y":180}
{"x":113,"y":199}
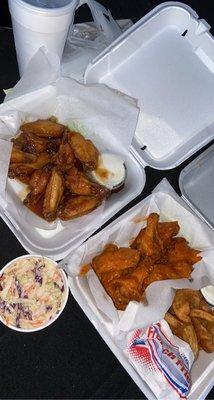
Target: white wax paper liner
{"x":160,"y":294}
{"x":106,"y":117}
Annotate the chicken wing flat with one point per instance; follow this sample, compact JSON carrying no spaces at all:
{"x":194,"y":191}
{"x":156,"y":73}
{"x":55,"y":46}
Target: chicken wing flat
{"x":162,"y":272}
{"x":78,"y":183}
{"x":19,"y":156}
{"x":122,"y":289}
{"x":44,"y":128}
{"x":53,"y":194}
{"x":31,"y":200}
{"x":39,"y":180}
{"x":65,"y":158}
{"x":84,"y":150}
{"x":123,"y":286}
{"x":76,"y":206}
{"x":35,"y":145}
{"x":20,"y":171}
{"x":119,"y":259}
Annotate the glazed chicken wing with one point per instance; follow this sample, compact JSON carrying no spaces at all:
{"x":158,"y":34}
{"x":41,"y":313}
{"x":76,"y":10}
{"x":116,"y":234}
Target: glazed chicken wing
{"x":76,"y":206}
{"x":19,"y":156}
{"x":35,"y":145}
{"x":53,"y":194}
{"x":39,"y":180}
{"x":20,"y":171}
{"x":51,"y":160}
{"x":78,"y":183}
{"x":44,"y":128}
{"x":64,"y":159}
{"x":84,"y":150}
{"x":37,"y":184}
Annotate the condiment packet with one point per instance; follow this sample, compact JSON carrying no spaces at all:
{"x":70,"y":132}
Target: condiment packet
{"x":162,"y":360}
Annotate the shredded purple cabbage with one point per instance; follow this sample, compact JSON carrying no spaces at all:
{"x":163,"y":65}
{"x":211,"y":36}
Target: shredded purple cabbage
{"x":18,"y":287}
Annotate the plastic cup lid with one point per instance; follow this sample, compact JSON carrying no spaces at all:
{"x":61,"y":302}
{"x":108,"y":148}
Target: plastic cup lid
{"x":54,"y":7}
{"x":48,"y":3}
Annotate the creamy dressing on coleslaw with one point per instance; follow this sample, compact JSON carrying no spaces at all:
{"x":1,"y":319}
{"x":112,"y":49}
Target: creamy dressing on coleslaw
{"x":31,"y":292}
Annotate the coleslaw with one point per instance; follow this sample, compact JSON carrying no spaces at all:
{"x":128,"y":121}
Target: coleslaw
{"x":32,"y":292}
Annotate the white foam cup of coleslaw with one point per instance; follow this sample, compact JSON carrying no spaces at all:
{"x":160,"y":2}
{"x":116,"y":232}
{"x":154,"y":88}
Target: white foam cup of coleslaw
{"x":33,"y":293}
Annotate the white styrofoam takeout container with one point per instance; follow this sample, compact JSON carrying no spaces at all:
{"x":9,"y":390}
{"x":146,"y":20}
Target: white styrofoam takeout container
{"x":202,"y":372}
{"x":166,"y":61}
{"x":58,"y":242}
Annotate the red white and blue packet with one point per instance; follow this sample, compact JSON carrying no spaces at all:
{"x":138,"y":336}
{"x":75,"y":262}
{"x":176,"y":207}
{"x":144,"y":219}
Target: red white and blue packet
{"x":162,"y":360}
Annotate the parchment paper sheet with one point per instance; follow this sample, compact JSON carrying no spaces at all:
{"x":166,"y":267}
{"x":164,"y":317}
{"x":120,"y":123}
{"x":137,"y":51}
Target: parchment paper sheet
{"x":98,"y":112}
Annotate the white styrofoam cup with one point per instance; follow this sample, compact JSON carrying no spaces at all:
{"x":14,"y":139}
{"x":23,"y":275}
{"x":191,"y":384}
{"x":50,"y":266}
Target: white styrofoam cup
{"x":44,"y":25}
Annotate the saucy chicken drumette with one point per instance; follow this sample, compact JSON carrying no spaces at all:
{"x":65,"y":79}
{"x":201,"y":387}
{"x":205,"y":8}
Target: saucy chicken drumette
{"x":155,"y":254}
{"x":54,"y":162}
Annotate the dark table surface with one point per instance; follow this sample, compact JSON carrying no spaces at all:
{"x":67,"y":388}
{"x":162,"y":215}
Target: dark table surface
{"x":69,"y":360}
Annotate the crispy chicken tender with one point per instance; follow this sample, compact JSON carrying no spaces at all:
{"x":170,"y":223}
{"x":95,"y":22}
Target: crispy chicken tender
{"x":44,"y":128}
{"x":53,"y":194}
{"x":84,"y":150}
{"x":76,"y":206}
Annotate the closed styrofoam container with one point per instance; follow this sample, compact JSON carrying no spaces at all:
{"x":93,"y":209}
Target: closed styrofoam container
{"x":166,"y":62}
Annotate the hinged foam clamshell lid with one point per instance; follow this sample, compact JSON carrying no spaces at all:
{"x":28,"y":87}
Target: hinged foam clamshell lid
{"x":166,"y":62}
{"x":196,"y":183}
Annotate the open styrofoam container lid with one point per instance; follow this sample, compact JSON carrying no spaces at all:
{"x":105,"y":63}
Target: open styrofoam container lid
{"x":196,"y":185}
{"x":166,"y":61}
